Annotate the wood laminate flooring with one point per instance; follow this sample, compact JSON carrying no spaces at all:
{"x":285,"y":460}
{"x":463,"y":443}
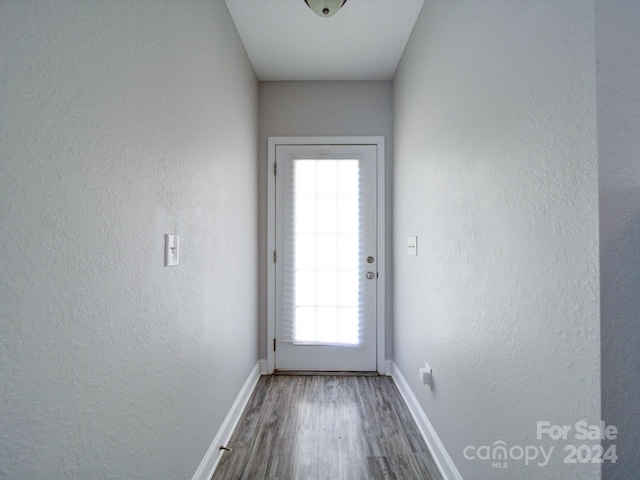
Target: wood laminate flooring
{"x":326,"y":428}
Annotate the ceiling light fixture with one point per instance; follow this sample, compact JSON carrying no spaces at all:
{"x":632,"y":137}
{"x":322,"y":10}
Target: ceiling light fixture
{"x":325,"y":8}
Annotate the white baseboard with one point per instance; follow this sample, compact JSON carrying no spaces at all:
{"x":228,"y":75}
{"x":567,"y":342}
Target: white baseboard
{"x":440,"y":455}
{"x":264,"y":368}
{"x":213,"y":455}
{"x":388,"y":367}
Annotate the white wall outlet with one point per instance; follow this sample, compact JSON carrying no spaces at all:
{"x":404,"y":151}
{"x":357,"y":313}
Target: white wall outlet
{"x":425,"y":376}
{"x":412,"y":246}
{"x":171,"y":250}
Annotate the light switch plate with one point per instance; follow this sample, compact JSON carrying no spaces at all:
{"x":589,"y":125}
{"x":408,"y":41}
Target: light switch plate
{"x":412,"y":245}
{"x":171,"y":250}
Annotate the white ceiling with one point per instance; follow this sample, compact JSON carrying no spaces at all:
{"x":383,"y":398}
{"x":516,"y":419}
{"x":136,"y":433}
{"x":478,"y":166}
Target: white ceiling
{"x":285,"y":40}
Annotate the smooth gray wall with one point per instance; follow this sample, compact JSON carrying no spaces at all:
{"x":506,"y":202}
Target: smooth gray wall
{"x":322,"y":109}
{"x":122,"y":121}
{"x":618,"y":84}
{"x":495,"y":167}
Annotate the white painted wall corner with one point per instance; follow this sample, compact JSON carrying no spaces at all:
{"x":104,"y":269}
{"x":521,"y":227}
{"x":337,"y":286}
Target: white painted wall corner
{"x":214,"y":454}
{"x":264,"y":367}
{"x":440,"y":455}
{"x":388,"y":367}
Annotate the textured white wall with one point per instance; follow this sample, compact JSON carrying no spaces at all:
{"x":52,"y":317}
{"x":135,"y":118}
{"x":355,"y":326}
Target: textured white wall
{"x":495,"y":168}
{"x":123,"y":121}
{"x":618,"y":84}
{"x":323,"y":109}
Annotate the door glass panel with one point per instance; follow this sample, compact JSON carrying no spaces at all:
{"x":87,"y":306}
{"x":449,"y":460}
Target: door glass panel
{"x":326,"y":210}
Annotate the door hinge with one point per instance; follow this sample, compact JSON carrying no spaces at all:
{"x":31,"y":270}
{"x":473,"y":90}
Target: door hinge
{"x":275,"y":168}
{"x":274,"y":344}
{"x":275,"y":256}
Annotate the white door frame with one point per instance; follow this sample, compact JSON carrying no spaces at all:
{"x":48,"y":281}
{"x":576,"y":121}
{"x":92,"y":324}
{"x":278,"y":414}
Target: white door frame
{"x":271,"y":237}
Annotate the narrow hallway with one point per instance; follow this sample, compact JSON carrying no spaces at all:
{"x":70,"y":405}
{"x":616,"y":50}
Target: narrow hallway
{"x":327,"y":427}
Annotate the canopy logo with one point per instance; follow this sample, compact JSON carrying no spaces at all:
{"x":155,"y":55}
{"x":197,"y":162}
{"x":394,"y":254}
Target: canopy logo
{"x":499,"y":453}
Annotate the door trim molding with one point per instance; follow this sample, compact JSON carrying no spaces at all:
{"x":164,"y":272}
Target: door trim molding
{"x":381,"y":320}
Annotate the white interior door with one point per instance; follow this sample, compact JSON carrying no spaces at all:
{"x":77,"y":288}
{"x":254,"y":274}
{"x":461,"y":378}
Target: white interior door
{"x":326,"y":257}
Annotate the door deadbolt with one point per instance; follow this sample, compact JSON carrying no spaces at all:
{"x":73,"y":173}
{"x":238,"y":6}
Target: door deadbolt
{"x":370,"y":259}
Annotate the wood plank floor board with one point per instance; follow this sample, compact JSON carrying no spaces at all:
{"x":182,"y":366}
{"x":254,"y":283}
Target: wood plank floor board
{"x":232,"y":461}
{"x":329,"y":457}
{"x":424,"y":464}
{"x":317,"y":387}
{"x":329,"y":416}
{"x":425,"y":459}
{"x":352,"y":451}
{"x":309,"y":406}
{"x":379,"y":393}
{"x":305,"y":460}
{"x":272,"y":431}
{"x":287,"y":410}
{"x":262,"y":425}
{"x":410,"y":466}
{"x":257,"y":458}
{"x":381,"y":468}
{"x":371,"y":427}
{"x":395,"y":440}
{"x":254,"y":409}
{"x":329,"y":388}
{"x":353,"y":456}
{"x":411,"y":429}
{"x":326,"y":428}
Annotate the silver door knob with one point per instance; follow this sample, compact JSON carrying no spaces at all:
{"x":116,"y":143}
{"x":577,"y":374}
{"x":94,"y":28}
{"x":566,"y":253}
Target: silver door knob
{"x":371,"y":275}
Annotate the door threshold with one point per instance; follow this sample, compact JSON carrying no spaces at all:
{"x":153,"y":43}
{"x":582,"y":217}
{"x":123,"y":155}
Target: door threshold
{"x":341,"y":373}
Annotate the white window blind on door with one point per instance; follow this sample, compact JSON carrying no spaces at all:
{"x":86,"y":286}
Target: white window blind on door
{"x":322,"y":302}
